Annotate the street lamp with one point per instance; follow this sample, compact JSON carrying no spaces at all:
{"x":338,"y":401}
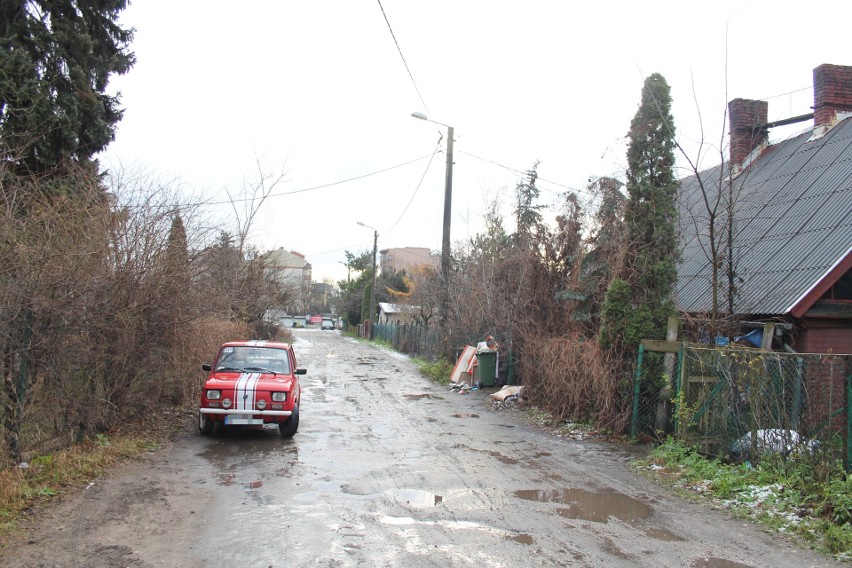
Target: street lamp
{"x":448,"y":199}
{"x":373,"y":285}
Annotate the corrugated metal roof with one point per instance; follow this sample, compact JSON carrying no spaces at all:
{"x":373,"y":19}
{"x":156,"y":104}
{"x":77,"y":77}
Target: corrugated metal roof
{"x":792,"y":222}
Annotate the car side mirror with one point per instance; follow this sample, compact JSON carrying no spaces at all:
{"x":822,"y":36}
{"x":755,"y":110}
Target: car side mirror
{"x":206,"y":367}
{"x":301,"y":371}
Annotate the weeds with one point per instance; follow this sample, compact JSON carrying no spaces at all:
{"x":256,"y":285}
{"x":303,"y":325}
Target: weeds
{"x":785,"y":494}
{"x":47,"y":476}
{"x":439,"y":371}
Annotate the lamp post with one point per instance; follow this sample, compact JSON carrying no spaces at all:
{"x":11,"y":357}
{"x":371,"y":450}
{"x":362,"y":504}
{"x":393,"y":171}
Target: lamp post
{"x":448,"y":199}
{"x":373,"y":284}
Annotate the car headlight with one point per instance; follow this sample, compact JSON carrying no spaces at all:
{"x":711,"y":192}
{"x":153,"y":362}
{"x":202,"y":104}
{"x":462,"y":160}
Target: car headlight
{"x":214,"y":395}
{"x":261,"y":404}
{"x":279,"y":396}
{"x":226,"y":403}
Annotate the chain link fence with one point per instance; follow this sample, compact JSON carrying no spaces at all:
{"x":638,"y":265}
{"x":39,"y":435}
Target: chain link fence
{"x":743,"y":403}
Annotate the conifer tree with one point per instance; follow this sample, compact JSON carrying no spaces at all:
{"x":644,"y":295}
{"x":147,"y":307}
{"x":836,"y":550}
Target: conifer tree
{"x":56,"y":60}
{"x":527,"y":212}
{"x":650,"y":264}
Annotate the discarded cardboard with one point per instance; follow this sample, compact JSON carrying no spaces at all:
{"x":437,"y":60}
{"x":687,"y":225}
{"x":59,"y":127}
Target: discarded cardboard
{"x":461,"y":373}
{"x":506,"y":392}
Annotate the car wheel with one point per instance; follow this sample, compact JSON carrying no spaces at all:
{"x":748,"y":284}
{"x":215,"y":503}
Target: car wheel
{"x":291,"y":425}
{"x":205,"y":425}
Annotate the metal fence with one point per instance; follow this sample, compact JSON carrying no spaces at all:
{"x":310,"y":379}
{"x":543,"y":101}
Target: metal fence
{"x":413,"y":339}
{"x":421,"y":341}
{"x":743,"y":403}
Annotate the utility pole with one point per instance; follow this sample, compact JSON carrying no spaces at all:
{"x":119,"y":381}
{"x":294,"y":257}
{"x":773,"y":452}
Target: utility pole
{"x":448,"y":208}
{"x":373,"y":285}
{"x":445,"y":243}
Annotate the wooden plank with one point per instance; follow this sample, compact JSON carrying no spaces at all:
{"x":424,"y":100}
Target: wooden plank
{"x":768,"y":334}
{"x":659,"y":346}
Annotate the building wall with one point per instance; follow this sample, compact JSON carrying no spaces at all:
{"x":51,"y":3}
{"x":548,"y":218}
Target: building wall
{"x":406,"y":258}
{"x":290,"y":266}
{"x":824,"y":336}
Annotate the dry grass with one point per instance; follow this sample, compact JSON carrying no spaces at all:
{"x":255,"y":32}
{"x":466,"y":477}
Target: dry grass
{"x":47,"y":477}
{"x":50,"y":474}
{"x":572,"y":378}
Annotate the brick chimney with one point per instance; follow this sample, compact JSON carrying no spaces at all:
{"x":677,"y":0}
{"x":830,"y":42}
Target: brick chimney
{"x":832,"y":95}
{"x":746,"y":117}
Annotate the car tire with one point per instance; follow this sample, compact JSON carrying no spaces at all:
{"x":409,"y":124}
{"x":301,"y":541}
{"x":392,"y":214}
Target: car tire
{"x":289,"y":427}
{"x":205,"y":425}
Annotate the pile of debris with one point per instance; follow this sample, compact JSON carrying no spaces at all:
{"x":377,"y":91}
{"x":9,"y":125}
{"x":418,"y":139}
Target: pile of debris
{"x":462,"y":388}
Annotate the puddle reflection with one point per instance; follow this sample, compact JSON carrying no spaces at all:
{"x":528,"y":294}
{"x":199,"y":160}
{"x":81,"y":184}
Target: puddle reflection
{"x":418,"y":498}
{"x":594,"y":506}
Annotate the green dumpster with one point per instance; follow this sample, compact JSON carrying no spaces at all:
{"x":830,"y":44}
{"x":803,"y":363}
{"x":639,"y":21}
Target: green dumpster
{"x":487,"y":368}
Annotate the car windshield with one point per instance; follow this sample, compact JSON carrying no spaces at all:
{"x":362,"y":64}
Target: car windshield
{"x":254,"y":359}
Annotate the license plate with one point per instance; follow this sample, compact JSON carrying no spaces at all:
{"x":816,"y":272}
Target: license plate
{"x":232,"y":420}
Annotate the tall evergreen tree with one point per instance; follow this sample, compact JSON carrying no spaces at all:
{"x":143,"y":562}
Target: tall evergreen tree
{"x":528,"y":212}
{"x":56,"y":58}
{"x":650,"y":265}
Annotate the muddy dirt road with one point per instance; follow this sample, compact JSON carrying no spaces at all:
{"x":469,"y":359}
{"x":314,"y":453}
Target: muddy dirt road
{"x":388,"y":469}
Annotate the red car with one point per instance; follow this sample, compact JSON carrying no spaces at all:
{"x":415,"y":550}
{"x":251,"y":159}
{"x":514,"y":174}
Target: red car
{"x":251,"y":383}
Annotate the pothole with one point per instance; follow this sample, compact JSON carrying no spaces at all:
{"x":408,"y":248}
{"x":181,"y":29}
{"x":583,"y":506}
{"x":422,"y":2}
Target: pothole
{"x":522,"y":538}
{"x":594,"y":506}
{"x":418,"y":498}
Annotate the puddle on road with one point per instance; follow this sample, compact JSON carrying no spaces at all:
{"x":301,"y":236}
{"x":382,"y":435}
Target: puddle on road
{"x":522,"y":538}
{"x":421,"y":396}
{"x":418,"y":498}
{"x":713,"y":562}
{"x":591,"y":506}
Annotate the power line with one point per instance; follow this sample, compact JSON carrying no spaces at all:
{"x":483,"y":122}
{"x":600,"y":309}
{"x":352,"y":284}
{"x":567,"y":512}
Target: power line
{"x":348,"y":179}
{"x":785,"y":94}
{"x":437,"y":146}
{"x":416,"y":189}
{"x":522,"y":172}
{"x":281,"y":193}
{"x":404,"y":62}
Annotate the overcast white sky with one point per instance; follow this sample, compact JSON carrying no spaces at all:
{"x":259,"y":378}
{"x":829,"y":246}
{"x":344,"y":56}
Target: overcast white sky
{"x":318,"y":89}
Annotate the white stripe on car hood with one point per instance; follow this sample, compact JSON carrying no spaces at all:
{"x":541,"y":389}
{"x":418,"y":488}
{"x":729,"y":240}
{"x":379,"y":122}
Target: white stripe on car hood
{"x":244,"y":392}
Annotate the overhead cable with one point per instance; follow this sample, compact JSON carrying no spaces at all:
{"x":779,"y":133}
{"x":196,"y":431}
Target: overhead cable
{"x":281,"y":193}
{"x":437,"y":147}
{"x":404,"y":62}
{"x":522,"y":172}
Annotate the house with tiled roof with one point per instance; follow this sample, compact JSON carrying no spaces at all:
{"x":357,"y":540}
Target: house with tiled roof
{"x":783,"y":223}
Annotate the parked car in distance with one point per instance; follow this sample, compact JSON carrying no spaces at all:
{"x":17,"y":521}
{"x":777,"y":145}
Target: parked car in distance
{"x":327,"y":323}
{"x":251,"y":383}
